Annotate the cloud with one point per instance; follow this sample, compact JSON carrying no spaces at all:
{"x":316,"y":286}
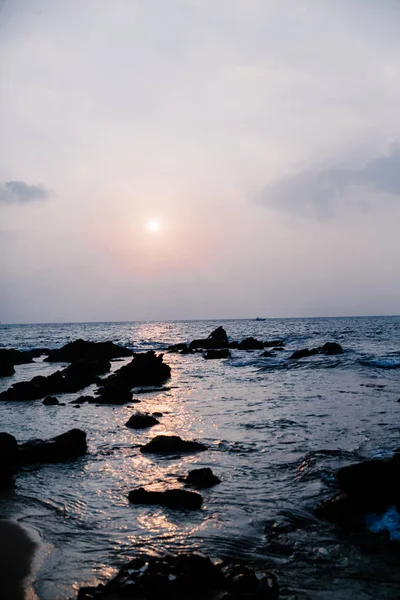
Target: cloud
{"x":322,"y":193}
{"x":19,"y":192}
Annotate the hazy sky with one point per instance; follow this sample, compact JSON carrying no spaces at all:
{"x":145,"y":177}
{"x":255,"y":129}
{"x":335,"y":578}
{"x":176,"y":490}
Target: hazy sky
{"x":262,"y":135}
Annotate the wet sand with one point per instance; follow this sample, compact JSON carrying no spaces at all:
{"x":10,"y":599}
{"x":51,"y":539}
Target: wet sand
{"x":17,"y":550}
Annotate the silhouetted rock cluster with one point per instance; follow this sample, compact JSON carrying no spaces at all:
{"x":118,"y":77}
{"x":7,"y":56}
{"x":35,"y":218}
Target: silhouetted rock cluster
{"x":73,"y":378}
{"x":200,"y":478}
{"x":371,"y":486}
{"x":66,"y":446}
{"x":88,"y":351}
{"x":9,"y":357}
{"x":217,"y":339}
{"x":212,"y":354}
{"x":141,"y":421}
{"x":185,"y":577}
{"x":145,"y":369}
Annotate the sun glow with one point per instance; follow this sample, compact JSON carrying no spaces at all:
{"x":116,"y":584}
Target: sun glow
{"x":153,"y":226}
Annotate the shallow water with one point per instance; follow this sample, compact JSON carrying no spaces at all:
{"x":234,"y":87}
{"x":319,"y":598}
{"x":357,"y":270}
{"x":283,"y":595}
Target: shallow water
{"x":276,"y":430}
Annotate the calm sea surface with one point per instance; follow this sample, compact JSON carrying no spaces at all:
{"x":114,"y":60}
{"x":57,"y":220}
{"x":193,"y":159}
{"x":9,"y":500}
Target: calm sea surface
{"x":276,"y":430}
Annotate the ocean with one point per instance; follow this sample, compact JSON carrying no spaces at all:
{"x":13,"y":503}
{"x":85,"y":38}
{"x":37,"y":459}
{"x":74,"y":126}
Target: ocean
{"x":276,"y":432}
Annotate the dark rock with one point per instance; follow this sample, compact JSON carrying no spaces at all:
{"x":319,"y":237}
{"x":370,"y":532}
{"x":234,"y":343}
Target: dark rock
{"x":157,"y":414}
{"x":211,"y":354}
{"x":371,"y":486}
{"x":329,"y":348}
{"x":50,"y":401}
{"x":88,"y":351}
{"x":63,"y":447}
{"x":200,"y":478}
{"x":6,"y":367}
{"x":116,"y":395}
{"x":145,"y":369}
{"x":251,"y":343}
{"x":185,"y":577}
{"x":267,"y":354}
{"x":178,"y":348}
{"x":18,"y":357}
{"x":187,"y":350}
{"x":141,"y":421}
{"x":233,"y":345}
{"x":83,"y":399}
{"x":170,"y":498}
{"x":171,"y":444}
{"x":216,"y":339}
{"x":76,"y":376}
{"x":8,"y":459}
{"x":274,"y":344}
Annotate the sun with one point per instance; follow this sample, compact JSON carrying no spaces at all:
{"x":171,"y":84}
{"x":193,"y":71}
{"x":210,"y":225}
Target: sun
{"x":153,"y":226}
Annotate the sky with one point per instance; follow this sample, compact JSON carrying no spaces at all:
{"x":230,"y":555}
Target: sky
{"x":261,"y":136}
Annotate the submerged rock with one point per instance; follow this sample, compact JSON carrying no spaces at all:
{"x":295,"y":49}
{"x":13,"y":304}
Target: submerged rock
{"x":185,"y":577}
{"x":212,"y":354}
{"x":274,"y":344}
{"x":200,"y":478}
{"x":182,"y":347}
{"x":6,"y":367}
{"x":113,"y":396}
{"x":8,"y":459}
{"x":50,"y":401}
{"x":88,"y":351}
{"x":58,"y":449}
{"x":217,"y":339}
{"x":176,"y":498}
{"x":267,"y":354}
{"x":171,"y":444}
{"x":330,"y":348}
{"x":141,"y":421}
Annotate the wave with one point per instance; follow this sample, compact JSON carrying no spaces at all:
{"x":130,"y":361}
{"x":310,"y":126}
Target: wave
{"x":381,"y":363}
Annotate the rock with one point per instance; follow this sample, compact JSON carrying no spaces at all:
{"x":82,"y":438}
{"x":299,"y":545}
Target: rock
{"x":141,"y":421}
{"x":83,"y":399}
{"x":178,"y":348}
{"x":19,"y":357}
{"x":175,"y":498}
{"x":367,"y":487}
{"x":211,"y":354}
{"x":88,"y":351}
{"x":76,"y":376}
{"x":8,"y":459}
{"x":233,"y":345}
{"x":6,"y":367}
{"x":267,"y":354}
{"x":117,"y":396}
{"x":63,"y":447}
{"x":157,"y":414}
{"x":329,"y":348}
{"x":50,"y":401}
{"x":216,"y":339}
{"x":145,"y":369}
{"x":250,"y":343}
{"x":274,"y":344}
{"x":185,"y":577}
{"x":171,"y":444}
{"x":200,"y":478}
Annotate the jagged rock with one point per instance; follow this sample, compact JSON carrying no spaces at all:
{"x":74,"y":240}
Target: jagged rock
{"x":76,"y":376}
{"x":20,"y":357}
{"x":274,"y":344}
{"x":145,"y":369}
{"x":141,"y":421}
{"x":8,"y":459}
{"x":185,"y":577}
{"x":175,"y":498}
{"x":216,"y":339}
{"x":171,"y":444}
{"x":200,"y":478}
{"x":83,"y":399}
{"x":330,"y":348}
{"x":88,"y":351}
{"x":50,"y":401}
{"x":211,"y":354}
{"x":250,"y":343}
{"x":60,"y":448}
